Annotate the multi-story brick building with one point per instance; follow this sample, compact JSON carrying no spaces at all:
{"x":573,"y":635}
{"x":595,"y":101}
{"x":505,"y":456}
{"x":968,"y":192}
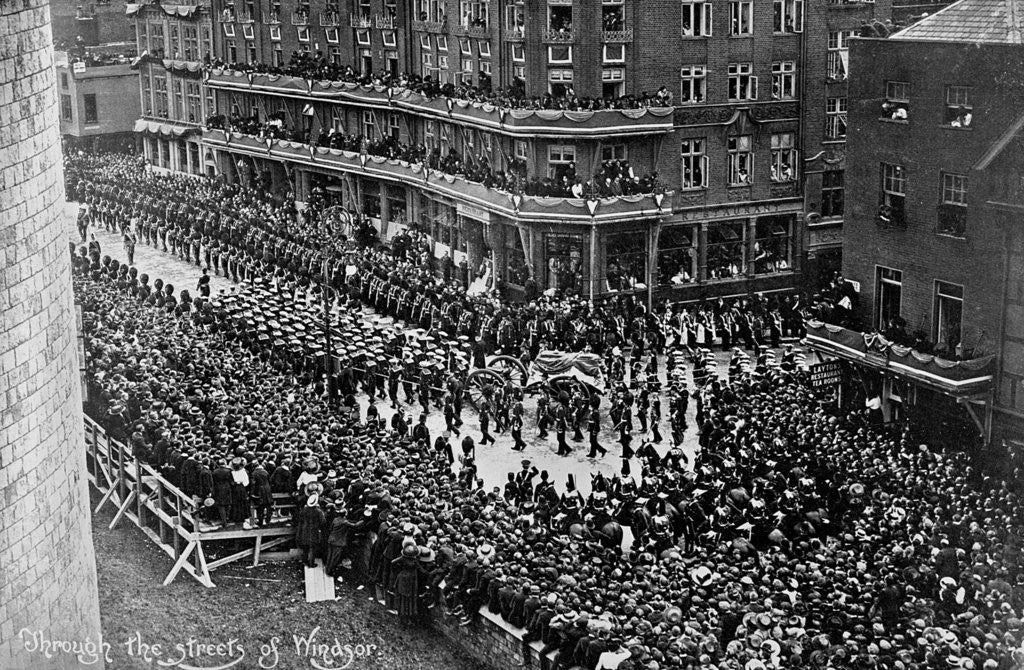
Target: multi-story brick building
{"x":173,"y":41}
{"x":931,"y":237}
{"x":723,"y":217}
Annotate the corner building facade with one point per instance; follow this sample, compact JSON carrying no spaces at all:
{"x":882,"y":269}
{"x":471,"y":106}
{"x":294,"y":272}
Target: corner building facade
{"x":723,"y":217}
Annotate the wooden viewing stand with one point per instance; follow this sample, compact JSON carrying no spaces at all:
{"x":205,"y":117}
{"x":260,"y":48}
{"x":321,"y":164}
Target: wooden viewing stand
{"x":168,"y":516}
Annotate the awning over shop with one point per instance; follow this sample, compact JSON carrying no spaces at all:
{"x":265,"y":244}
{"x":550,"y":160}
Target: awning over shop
{"x":961,"y":379}
{"x":165,"y":128}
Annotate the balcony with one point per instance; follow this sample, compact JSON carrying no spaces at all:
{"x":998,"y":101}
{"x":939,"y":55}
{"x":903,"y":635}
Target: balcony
{"x":227,"y":16}
{"x":958,"y":378}
{"x":361,"y":21}
{"x":625,"y":35}
{"x":524,"y":208}
{"x":385,"y":22}
{"x":274,"y":18}
{"x":471,"y":31}
{"x":300,"y":19}
{"x":248,"y":15}
{"x":430,"y":26}
{"x":559,"y":36}
{"x":517,"y":122}
{"x":329,"y":20}
{"x":514,"y":34}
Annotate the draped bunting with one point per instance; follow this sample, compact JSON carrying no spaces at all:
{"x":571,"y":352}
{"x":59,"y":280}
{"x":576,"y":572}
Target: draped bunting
{"x":181,"y":11}
{"x":165,"y":129}
{"x":876,"y":342}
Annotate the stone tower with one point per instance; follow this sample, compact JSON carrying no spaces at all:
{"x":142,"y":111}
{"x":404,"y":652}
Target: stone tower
{"x":47,"y":564}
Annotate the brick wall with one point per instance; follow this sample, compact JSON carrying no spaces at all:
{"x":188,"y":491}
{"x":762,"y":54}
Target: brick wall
{"x":47,"y":566}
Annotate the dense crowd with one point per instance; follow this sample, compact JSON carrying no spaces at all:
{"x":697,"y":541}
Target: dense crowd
{"x":615,"y":178}
{"x":318,"y":67}
{"x":799,"y":535}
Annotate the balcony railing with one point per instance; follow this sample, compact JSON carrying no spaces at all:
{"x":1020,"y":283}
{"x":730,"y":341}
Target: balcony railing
{"x":561,"y":36}
{"x":385,"y":22}
{"x":514,"y":34}
{"x":470,"y":31}
{"x":361,"y":21}
{"x":300,"y":19}
{"x":329,"y":19}
{"x":429,"y":26}
{"x":625,"y":35}
{"x":248,"y":15}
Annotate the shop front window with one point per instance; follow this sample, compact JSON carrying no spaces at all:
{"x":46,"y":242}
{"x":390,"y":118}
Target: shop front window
{"x":626,"y":261}
{"x":772,"y":244}
{"x":677,"y":256}
{"x":518,"y":272}
{"x":397,"y":212}
{"x":726,"y":245}
{"x":563,"y":257}
{"x":371,"y":199}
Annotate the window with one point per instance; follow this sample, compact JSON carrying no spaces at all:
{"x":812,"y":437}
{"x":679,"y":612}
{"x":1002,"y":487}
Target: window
{"x":832,"y":193}
{"x":332,"y":35}
{"x":835,"y":118}
{"x":485,"y":67}
{"x":389,"y":38}
{"x":520,"y":148}
{"x":741,"y":160}
{"x":515,"y":17}
{"x":559,"y":82}
{"x":726,"y":249}
{"x":694,"y":86}
{"x":789,"y":16}
{"x":277,"y":55}
{"x":430,"y":10}
{"x":959,"y":112}
{"x":783,"y":80}
{"x":229,"y":30}
{"x":695,"y":163}
{"x":466,"y":75}
{"x":742,"y":85}
{"x":741,"y":17}
{"x":369,"y":125}
{"x":365,"y":62}
{"x":390,"y":57}
{"x":484,"y":48}
{"x":206,"y":41}
{"x":430,"y":134}
{"x":563,"y":261}
{"x":191,"y":34}
{"x":613,"y":152}
{"x":466,"y":47}
{"x":613,"y":82}
{"x":613,"y":15}
{"x":303,"y":33}
{"x":897,"y":101}
{"x":193,"y":102}
{"x":560,"y":16}
{"x":696,"y":19}
{"x":949,"y":314}
{"x":426,"y":64}
{"x":560,"y":55}
{"x":425,"y":42}
{"x":784,"y":157}
{"x":894,"y":190}
{"x":772,"y":244}
{"x":65,"y":107}
{"x":561,"y":160}
{"x":363,"y":37}
{"x":442,"y":43}
{"x":518,"y":53}
{"x":91,"y":113}
{"x":953,"y":208}
{"x":614,"y":53}
{"x":473,"y":13}
{"x":232,"y":48}
{"x":677,"y":256}
{"x":156,"y":38}
{"x":275,"y":33}
{"x":147,"y":96}
{"x":250,"y":48}
{"x":248,"y":32}
{"x":839,"y":54}
{"x":160,"y":95}
{"x":888,"y":295}
{"x":142,"y":37}
{"x":626,"y":261}
{"x":178,"y":89}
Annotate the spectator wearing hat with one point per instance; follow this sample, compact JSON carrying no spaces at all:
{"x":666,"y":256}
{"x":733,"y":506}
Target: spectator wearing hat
{"x":308,"y":530}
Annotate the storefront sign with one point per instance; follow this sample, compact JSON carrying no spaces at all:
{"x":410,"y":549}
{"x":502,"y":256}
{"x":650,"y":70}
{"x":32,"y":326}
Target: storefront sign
{"x":826,"y":374}
{"x":473,"y":212}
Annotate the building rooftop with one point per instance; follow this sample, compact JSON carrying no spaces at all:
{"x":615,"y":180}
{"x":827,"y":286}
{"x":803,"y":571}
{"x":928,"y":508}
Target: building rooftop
{"x":971,"y":21}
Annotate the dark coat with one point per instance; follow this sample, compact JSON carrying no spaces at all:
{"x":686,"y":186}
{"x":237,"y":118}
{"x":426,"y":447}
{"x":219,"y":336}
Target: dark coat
{"x":222,"y":482}
{"x":259,"y":487}
{"x":310,"y":527}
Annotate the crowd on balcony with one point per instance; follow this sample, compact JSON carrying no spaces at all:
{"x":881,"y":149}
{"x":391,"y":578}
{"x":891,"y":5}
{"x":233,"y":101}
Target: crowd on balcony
{"x":318,"y":67}
{"x":614,"y":178}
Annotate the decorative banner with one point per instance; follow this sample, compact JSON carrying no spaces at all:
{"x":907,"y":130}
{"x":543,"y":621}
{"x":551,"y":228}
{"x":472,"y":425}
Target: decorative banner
{"x":517,"y":199}
{"x":307,"y":110}
{"x":251,"y":77}
{"x":450,"y":104}
{"x":227,"y":136}
{"x":269,"y":142}
{"x":312,"y":152}
{"x":658,"y":199}
{"x":309,"y":85}
{"x":391,"y":93}
{"x":362,"y":160}
{"x":592,"y":206}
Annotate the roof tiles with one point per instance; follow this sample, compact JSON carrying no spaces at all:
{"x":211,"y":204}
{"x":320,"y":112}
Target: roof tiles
{"x":972,"y":21}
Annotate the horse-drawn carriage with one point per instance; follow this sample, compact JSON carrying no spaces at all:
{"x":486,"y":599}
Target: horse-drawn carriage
{"x":556,"y":371}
